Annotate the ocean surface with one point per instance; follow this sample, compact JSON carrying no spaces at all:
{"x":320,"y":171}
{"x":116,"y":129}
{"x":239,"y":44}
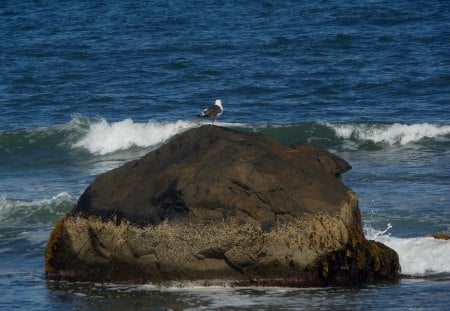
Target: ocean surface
{"x":86,"y":86}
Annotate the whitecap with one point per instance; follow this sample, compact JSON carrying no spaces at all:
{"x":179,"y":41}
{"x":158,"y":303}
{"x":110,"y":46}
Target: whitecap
{"x":419,"y":256}
{"x":103,"y":137}
{"x":391,"y":134}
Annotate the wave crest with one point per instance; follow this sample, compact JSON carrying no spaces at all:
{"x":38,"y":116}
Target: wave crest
{"x":419,"y":256}
{"x":15,"y":212}
{"x":391,"y":134}
{"x":104,"y":137}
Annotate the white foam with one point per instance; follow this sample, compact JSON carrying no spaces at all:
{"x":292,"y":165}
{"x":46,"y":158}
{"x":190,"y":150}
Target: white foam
{"x":390,"y":133}
{"x":420,"y":256}
{"x":104,"y":137}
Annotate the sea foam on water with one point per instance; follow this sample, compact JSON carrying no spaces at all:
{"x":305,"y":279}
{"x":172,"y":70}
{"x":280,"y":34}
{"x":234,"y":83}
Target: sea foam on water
{"x":419,"y":256}
{"x":101,"y":137}
{"x":105,"y":137}
{"x":391,"y":134}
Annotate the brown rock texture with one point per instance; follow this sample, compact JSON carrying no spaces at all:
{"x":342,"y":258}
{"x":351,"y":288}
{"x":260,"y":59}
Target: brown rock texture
{"x":217,"y":206}
{"x":439,"y":236}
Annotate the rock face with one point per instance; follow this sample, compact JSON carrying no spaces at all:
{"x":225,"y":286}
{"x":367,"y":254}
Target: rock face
{"x":216,"y":206}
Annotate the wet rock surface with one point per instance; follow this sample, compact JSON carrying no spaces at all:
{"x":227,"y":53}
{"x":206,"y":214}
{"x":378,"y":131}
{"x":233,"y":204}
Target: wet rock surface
{"x":217,"y":206}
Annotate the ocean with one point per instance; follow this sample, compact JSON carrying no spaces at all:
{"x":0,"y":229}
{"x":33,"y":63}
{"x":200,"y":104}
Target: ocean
{"x":86,"y":86}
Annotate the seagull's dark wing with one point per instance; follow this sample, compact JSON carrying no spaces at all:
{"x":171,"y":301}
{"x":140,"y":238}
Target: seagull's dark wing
{"x":211,"y":111}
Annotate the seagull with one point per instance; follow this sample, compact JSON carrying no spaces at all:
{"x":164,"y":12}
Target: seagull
{"x":213,"y":111}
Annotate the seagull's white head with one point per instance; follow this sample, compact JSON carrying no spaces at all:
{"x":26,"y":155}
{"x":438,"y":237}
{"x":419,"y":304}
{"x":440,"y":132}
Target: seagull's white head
{"x":218,"y":103}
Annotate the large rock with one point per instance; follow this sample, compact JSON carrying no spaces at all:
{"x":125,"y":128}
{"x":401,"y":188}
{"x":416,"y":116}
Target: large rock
{"x":216,"y":206}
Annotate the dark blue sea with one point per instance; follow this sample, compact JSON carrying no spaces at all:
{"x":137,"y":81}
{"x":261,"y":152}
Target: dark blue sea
{"x":86,"y":86}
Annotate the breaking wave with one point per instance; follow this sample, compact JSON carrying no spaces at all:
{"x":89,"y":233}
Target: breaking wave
{"x":105,"y":137}
{"x":391,"y":134}
{"x":43,"y":212}
{"x":419,"y":256}
{"x":97,"y":136}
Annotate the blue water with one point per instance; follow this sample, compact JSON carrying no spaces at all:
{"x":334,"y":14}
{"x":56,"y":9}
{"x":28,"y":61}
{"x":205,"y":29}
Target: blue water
{"x":86,"y":86}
